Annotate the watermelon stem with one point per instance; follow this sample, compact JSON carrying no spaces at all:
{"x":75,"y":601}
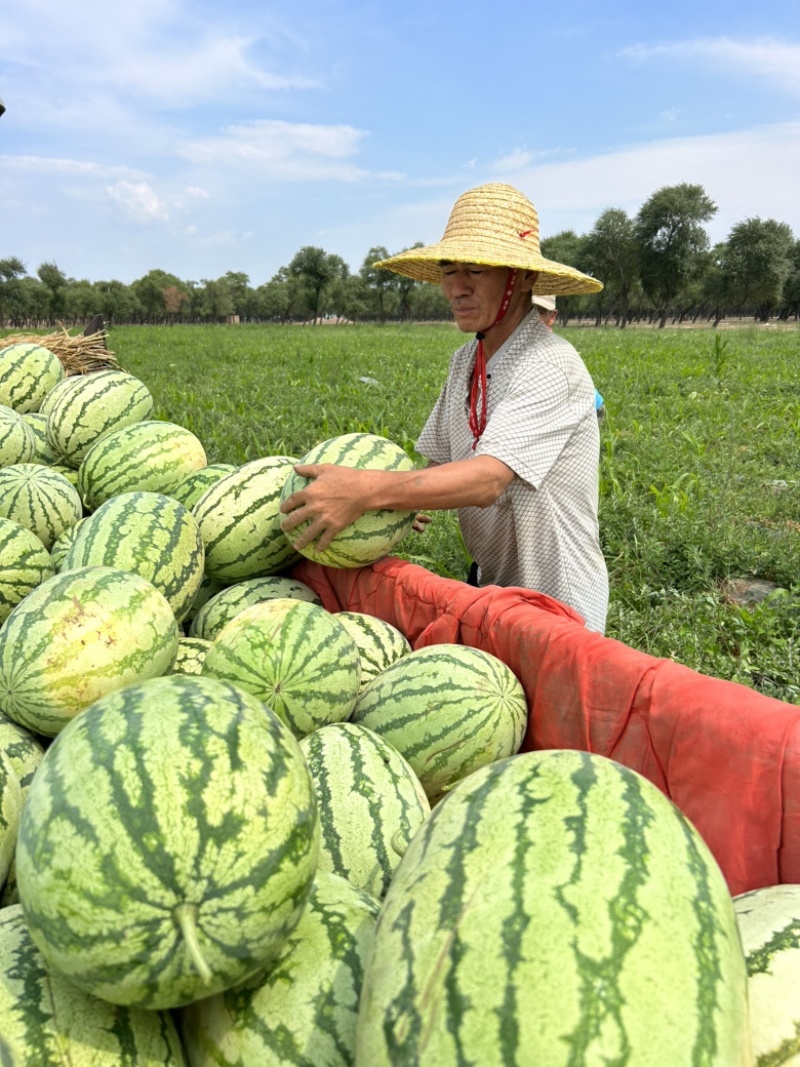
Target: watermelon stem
{"x":185,"y":915}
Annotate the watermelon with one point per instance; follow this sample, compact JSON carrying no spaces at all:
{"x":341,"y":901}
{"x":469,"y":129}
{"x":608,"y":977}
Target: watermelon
{"x":231,"y":599}
{"x":64,"y":541}
{"x":448,"y":709}
{"x":27,"y":373}
{"x":558,"y":909}
{"x":195,"y":484}
{"x":148,"y":456}
{"x":48,"y":1022}
{"x":292,"y":655}
{"x":179,"y":812}
{"x":65,"y":385}
{"x":240,"y":522}
{"x":40,"y":499}
{"x":17,"y":438}
{"x":370,"y":803}
{"x":24,"y":564}
{"x":23,"y":750}
{"x":302,"y":1011}
{"x":10,"y":810}
{"x":147,"y":533}
{"x":205,"y":591}
{"x":190,"y":656}
{"x":376,"y":533}
{"x":78,"y":636}
{"x":96,"y":405}
{"x":379,"y":643}
{"x":769,"y":924}
{"x":44,"y":454}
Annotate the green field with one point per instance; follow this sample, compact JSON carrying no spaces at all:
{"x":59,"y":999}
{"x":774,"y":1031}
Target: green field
{"x":700,"y":466}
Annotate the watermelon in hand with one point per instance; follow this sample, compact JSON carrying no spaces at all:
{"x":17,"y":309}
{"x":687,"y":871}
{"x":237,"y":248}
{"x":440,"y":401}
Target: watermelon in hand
{"x":375,"y":533}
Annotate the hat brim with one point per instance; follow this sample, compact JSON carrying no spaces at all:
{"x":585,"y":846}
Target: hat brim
{"x":424,"y":265}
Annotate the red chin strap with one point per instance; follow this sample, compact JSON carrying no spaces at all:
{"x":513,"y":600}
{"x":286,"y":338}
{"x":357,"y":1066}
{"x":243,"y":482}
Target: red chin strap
{"x":477,"y":385}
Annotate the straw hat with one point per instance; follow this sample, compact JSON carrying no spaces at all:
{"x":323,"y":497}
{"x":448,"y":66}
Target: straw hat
{"x":497,"y":226}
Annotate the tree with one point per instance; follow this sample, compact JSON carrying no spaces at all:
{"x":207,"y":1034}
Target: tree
{"x":11,"y":271}
{"x":757,"y":264}
{"x":567,"y":247}
{"x":280,"y":298}
{"x":377,"y":282}
{"x":150,"y":291}
{"x":238,"y":285}
{"x":55,"y":281}
{"x":791,"y":292}
{"x":611,"y":253}
{"x":116,"y":302}
{"x":670,"y":237}
{"x":317,"y":270}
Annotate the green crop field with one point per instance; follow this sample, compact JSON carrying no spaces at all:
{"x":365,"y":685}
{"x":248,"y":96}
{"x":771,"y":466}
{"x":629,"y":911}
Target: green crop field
{"x":700,"y":464}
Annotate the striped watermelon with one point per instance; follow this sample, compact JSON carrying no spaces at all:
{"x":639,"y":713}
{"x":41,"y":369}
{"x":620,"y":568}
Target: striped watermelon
{"x":303,"y":1011}
{"x":64,"y":541}
{"x":59,"y":389}
{"x":23,"y":750}
{"x":229,"y":601}
{"x":40,"y":499}
{"x":208,"y":587}
{"x":27,"y":373}
{"x":376,"y":533}
{"x":448,"y":709}
{"x":47,"y":1022}
{"x":78,"y":636}
{"x":96,"y":405}
{"x":190,"y":656}
{"x":181,"y":812}
{"x":148,"y":456}
{"x":10,"y":811}
{"x":292,"y":655}
{"x":370,"y":803}
{"x":379,"y":643}
{"x":240,"y":523}
{"x":17,"y":438}
{"x":44,"y":453}
{"x":556,"y":909}
{"x":195,"y":484}
{"x":24,"y":564}
{"x":147,"y":533}
{"x":769,"y":924}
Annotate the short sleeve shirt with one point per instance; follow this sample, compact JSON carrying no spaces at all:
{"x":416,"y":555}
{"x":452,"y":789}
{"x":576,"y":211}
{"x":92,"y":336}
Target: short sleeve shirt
{"x":542,"y":533}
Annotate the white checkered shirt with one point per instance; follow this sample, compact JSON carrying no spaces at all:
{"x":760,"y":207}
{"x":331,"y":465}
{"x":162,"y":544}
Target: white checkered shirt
{"x":542,"y":532}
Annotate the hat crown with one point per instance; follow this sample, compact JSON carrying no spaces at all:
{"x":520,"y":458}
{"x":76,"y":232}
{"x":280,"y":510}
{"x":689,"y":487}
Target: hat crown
{"x":495,"y":215}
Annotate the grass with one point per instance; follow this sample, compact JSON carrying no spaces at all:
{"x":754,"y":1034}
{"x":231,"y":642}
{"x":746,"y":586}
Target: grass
{"x":700,"y":465}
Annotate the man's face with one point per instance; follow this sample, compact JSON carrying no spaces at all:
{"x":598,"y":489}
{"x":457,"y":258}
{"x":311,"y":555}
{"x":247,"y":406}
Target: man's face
{"x":474,"y":294}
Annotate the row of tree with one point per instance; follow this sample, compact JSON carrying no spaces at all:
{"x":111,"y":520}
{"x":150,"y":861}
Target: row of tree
{"x":656,"y":266}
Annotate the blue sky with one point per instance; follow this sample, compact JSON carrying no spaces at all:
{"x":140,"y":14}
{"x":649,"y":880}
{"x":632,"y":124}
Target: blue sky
{"x":201,"y":138}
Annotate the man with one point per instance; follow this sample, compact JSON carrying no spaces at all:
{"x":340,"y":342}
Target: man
{"x":512,"y":442}
{"x":546,"y":306}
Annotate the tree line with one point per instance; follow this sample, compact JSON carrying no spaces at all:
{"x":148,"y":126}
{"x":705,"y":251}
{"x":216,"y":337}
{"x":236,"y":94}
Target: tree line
{"x":657,"y":266}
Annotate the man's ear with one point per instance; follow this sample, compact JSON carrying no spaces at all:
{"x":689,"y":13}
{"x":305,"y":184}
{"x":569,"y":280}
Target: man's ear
{"x":528,"y":280}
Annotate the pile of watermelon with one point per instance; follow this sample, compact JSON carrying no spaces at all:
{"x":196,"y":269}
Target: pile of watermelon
{"x":238,"y":829}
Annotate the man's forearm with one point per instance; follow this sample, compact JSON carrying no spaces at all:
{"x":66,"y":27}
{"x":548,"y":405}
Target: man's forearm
{"x":474,"y":482}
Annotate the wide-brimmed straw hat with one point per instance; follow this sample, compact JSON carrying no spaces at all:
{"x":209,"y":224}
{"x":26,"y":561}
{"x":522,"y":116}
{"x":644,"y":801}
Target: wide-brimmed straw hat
{"x":494,"y":225}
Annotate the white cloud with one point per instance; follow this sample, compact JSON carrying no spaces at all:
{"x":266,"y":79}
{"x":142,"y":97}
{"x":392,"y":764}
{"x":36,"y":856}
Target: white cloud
{"x":284,"y":150}
{"x":768,"y":59}
{"x":138,"y":200}
{"x":66,"y":167}
{"x":747,"y":173}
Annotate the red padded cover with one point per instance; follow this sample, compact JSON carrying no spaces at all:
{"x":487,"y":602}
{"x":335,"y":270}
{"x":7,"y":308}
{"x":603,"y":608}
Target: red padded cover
{"x":726,"y":755}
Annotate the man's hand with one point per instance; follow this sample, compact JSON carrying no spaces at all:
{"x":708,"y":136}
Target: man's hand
{"x":332,"y":500}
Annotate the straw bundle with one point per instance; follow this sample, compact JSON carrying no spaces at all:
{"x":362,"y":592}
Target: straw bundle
{"x":78,"y":355}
